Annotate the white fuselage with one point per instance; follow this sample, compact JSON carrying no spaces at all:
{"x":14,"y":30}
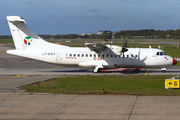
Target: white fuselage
{"x":97,"y":56}
{"x":84,"y":57}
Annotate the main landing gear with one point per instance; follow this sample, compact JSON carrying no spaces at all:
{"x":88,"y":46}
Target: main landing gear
{"x":163,"y":70}
{"x":96,"y":70}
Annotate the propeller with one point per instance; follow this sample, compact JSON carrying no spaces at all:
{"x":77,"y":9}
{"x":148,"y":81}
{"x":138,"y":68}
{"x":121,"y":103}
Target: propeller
{"x":124,"y":48}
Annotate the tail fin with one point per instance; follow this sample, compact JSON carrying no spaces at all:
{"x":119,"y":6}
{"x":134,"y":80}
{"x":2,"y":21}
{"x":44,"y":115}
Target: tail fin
{"x":23,"y":37}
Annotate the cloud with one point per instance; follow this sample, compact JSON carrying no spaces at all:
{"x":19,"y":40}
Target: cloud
{"x":86,"y":17}
{"x":28,"y":2}
{"x":154,"y":14}
{"x":93,"y":10}
{"x":165,"y":17}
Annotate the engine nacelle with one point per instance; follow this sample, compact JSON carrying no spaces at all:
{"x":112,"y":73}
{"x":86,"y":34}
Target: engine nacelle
{"x":113,"y":49}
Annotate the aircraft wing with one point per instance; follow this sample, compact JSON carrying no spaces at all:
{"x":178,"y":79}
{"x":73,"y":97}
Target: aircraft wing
{"x":95,"y":47}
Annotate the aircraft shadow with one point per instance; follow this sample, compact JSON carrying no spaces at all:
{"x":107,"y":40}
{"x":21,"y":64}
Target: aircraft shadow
{"x":174,"y":71}
{"x":136,"y":71}
{"x":124,"y":72}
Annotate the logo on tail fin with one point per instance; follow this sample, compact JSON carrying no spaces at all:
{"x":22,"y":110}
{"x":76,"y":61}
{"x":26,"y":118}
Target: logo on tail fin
{"x":27,"y":40}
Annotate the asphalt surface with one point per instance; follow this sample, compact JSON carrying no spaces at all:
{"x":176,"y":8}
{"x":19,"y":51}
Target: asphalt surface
{"x":90,"y":107}
{"x":16,"y":103}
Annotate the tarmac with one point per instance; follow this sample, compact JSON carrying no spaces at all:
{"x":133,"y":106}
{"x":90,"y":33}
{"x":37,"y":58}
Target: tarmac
{"x":16,"y":103}
{"x":90,"y":107}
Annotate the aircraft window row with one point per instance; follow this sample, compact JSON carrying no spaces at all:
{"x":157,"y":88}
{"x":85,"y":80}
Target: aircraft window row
{"x":90,"y":55}
{"x":161,"y":53}
{"x":99,"y":55}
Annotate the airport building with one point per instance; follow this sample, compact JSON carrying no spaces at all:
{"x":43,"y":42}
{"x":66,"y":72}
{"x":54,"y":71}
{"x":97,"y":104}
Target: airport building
{"x":104,"y":32}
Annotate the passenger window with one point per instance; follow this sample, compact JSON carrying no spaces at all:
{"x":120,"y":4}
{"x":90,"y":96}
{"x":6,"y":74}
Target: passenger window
{"x":90,"y":55}
{"x":157,"y":53}
{"x":103,"y":55}
{"x":70,"y":55}
{"x":115,"y":55}
{"x":127,"y":56}
{"x":118,"y":55}
{"x":107,"y":55}
{"x":82,"y":55}
{"x":78,"y":55}
{"x":94,"y":55}
{"x":99,"y":55}
{"x":74,"y":55}
{"x":111,"y":55}
{"x":86,"y":55}
{"x":135,"y":56}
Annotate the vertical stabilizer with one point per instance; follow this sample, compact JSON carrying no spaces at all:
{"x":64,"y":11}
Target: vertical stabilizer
{"x":23,"y":37}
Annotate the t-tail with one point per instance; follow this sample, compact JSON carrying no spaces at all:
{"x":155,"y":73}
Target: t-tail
{"x":23,"y":37}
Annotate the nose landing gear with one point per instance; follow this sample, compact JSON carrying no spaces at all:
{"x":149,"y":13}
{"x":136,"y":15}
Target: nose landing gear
{"x":163,"y":70}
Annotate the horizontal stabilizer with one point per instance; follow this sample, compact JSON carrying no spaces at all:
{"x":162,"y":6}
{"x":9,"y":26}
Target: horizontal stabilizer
{"x":15,"y":19}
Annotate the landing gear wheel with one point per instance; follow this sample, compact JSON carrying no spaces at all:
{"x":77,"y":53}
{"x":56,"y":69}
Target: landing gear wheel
{"x":95,"y":70}
{"x":163,"y":70}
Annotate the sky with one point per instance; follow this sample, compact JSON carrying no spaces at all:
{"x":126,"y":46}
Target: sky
{"x":84,"y":16}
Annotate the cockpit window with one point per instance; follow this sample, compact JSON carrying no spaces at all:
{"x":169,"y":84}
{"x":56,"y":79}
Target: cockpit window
{"x":161,"y":53}
{"x":157,"y":53}
{"x":164,"y":53}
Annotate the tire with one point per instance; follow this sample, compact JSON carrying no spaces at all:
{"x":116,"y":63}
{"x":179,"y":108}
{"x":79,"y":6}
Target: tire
{"x":95,"y":70}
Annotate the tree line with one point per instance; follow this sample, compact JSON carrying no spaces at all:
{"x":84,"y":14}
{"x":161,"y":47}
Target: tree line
{"x":147,"y":33}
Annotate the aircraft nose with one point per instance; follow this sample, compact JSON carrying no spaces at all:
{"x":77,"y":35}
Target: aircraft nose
{"x":174,"y":61}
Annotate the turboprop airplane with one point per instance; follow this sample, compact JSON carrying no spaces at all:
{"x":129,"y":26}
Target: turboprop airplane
{"x":95,"y":56}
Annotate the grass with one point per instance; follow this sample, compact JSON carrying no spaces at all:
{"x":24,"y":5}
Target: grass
{"x":121,"y":85}
{"x":6,"y":41}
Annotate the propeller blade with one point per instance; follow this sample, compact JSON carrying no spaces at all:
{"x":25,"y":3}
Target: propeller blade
{"x":124,"y":49}
{"x":125,"y":42}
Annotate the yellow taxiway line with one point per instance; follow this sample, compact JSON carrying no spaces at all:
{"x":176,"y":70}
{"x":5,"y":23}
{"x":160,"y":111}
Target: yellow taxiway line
{"x":147,"y":71}
{"x":18,"y":76}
